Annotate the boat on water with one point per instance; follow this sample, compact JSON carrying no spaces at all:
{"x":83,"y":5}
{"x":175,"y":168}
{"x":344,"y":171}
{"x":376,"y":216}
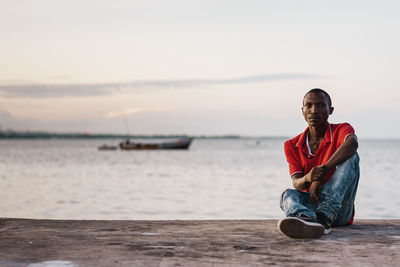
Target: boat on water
{"x":182,"y":143}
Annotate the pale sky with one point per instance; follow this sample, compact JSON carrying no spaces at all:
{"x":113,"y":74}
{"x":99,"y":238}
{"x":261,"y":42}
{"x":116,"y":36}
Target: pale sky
{"x":197,"y":67}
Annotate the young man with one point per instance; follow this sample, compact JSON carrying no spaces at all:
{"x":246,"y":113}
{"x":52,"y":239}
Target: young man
{"x":324,"y":168}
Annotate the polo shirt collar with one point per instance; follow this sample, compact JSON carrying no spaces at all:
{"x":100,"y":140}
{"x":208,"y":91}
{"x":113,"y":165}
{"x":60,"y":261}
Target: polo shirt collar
{"x":327,"y":136}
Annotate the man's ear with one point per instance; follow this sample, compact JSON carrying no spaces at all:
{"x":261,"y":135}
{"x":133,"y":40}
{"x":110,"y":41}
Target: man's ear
{"x":331,"y":110}
{"x":302,"y":111}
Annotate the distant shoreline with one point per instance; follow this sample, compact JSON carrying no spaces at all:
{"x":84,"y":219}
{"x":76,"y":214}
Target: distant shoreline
{"x":11,"y":134}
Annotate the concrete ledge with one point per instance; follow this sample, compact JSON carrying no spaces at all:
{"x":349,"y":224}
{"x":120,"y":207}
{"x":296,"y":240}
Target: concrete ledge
{"x":192,"y":243}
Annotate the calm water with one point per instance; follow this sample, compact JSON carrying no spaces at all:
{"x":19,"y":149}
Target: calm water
{"x":214,"y":179}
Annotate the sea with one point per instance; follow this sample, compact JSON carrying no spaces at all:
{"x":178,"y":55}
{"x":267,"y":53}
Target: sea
{"x":214,"y":179}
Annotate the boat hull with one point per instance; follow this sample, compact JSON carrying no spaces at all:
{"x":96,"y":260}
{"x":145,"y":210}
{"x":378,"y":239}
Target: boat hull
{"x":179,"y":144}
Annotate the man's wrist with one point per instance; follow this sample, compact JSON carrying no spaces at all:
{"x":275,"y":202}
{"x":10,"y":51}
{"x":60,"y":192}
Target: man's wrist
{"x":326,"y":168}
{"x":307,"y":179}
{"x":306,"y":182}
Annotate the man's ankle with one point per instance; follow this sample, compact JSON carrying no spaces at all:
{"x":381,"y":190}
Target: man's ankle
{"x":324,"y":220}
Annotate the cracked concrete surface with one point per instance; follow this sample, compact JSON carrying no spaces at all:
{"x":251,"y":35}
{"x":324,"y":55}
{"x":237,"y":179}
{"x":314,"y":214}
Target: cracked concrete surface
{"x":192,"y":243}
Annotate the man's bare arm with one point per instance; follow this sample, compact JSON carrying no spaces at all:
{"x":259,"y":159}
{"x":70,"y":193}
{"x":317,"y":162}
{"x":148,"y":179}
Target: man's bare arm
{"x":301,"y":181}
{"x":343,"y":153}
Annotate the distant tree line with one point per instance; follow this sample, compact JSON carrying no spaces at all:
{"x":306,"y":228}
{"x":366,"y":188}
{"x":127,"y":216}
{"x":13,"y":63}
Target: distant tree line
{"x":11,"y":134}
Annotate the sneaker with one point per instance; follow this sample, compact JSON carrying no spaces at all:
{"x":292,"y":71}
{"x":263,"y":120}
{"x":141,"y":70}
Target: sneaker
{"x":297,"y":228}
{"x":323,"y":220}
{"x":324,"y":223}
{"x":305,"y":218}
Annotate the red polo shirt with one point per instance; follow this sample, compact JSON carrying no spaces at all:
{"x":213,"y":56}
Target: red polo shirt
{"x":300,"y":161}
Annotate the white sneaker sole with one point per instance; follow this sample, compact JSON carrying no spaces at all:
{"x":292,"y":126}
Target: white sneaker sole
{"x":297,"y":228}
{"x":327,"y":231}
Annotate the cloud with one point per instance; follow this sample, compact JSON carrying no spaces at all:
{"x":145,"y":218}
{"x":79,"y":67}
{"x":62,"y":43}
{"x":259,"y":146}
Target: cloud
{"x":124,"y":113}
{"x":130,"y":111}
{"x":46,"y":90}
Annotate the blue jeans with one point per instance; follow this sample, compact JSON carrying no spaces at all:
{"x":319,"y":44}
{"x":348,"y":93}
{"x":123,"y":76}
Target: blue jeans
{"x":337,"y":196}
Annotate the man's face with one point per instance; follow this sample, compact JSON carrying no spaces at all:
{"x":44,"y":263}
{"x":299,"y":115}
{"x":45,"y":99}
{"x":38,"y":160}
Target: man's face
{"x":316,"y":109}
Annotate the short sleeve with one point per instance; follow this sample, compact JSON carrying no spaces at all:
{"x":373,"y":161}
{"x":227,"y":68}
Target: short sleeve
{"x":294,"y":165}
{"x":344,"y":131}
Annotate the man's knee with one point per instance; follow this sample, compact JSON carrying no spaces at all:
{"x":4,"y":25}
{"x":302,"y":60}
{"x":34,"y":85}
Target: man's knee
{"x":290,"y":195}
{"x":284,"y":195}
{"x":287,"y":192}
{"x":349,"y":167}
{"x":353,"y":160}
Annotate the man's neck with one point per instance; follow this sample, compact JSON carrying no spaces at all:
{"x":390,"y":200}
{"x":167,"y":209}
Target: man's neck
{"x":317,"y":133}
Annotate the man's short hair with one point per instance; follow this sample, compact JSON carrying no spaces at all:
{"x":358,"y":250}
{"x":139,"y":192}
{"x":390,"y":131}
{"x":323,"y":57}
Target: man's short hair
{"x":318,"y":90}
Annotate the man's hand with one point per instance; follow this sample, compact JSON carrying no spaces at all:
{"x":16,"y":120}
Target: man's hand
{"x":317,"y":173}
{"x":301,"y":181}
{"x":316,"y":176}
{"x":315,"y":191}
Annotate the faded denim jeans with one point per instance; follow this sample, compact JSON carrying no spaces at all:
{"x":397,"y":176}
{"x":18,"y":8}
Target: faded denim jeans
{"x":337,"y":196}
